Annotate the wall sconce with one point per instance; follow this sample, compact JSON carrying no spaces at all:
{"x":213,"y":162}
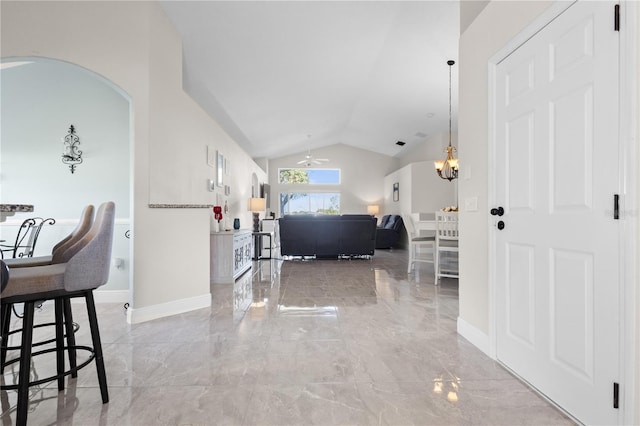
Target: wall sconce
{"x":72,"y":155}
{"x":373,"y":209}
{"x":257,"y":205}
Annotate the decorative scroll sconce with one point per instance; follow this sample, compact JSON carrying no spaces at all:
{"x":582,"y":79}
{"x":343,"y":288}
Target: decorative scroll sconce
{"x":72,"y":155}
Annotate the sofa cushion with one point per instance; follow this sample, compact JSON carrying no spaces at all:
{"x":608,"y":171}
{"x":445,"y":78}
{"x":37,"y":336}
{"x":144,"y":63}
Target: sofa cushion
{"x":389,"y":233}
{"x":391,"y":223}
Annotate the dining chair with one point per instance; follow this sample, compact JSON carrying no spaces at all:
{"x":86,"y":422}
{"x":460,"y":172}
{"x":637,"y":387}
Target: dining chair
{"x":446,"y":242}
{"x":59,"y":252}
{"x":26,"y":238}
{"x":417,"y":244}
{"x":86,"y":270}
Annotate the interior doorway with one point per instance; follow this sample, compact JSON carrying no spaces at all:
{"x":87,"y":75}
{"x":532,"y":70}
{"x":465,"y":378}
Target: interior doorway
{"x":41,"y":99}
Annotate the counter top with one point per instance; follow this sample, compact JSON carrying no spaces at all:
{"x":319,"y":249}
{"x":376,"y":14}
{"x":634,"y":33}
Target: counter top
{"x":13,"y":208}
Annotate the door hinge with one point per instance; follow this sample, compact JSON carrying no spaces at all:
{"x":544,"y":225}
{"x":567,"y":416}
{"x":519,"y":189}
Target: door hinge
{"x":616,"y":206}
{"x":616,"y":394}
{"x":616,"y":17}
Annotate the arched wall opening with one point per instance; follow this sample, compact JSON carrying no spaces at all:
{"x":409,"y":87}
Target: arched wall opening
{"x":41,"y":99}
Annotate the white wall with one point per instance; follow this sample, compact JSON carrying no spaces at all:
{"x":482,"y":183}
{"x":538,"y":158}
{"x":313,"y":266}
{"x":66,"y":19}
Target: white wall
{"x":40,"y":101}
{"x":362,"y":177}
{"x":133,"y":45}
{"x":421,"y":190}
{"x":496,"y":25}
{"x":402,"y":177}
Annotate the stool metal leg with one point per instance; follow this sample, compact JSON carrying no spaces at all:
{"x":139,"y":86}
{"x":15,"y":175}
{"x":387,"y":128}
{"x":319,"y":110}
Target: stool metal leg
{"x":71,"y":338}
{"x":25,"y":364}
{"x":60,"y":342}
{"x":97,"y":345}
{"x":5,"y":323}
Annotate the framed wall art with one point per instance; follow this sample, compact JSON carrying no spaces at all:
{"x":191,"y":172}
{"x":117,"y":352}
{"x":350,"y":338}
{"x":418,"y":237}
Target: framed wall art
{"x":220,"y":174}
{"x":396,"y":191}
{"x":211,"y":156}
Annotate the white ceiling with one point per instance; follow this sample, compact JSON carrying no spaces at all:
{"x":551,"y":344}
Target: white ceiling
{"x":285,"y":77}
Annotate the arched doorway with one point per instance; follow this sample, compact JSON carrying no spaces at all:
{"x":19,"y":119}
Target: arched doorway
{"x":41,"y":99}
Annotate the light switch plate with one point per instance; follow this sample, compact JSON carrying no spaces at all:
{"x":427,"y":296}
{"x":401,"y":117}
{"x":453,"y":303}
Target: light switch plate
{"x":471,"y":204}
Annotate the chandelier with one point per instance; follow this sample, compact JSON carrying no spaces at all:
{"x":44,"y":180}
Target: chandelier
{"x":448,"y":168}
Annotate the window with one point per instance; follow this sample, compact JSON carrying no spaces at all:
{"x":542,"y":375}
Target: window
{"x":309,"y":176}
{"x":309,"y":203}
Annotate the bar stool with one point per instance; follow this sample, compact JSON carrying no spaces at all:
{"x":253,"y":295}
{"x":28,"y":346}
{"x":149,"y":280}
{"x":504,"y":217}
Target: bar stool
{"x":4,"y":274}
{"x":85,"y":271}
{"x":61,"y":252}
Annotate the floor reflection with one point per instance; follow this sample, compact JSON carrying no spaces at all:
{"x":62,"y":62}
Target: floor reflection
{"x":327,"y":342}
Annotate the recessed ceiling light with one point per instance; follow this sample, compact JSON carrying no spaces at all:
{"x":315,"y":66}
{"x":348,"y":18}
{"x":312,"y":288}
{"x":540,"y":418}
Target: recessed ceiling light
{"x":400,"y":143}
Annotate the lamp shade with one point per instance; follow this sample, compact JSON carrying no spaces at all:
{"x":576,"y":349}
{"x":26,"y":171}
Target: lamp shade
{"x":257,"y":205}
{"x":373,"y":209}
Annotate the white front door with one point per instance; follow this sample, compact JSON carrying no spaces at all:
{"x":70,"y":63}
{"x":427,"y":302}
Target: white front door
{"x":557,"y":258}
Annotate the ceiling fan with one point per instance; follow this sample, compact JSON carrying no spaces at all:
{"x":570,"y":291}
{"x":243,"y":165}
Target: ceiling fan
{"x":309,"y":161}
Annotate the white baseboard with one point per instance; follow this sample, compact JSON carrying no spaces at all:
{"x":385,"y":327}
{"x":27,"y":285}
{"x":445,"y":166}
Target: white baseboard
{"x":111,"y":296}
{"x":148,"y":313}
{"x":476,"y":337}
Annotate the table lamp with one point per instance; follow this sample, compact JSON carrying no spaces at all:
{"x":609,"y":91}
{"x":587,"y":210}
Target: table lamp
{"x":256,"y":205}
{"x":373,"y":209}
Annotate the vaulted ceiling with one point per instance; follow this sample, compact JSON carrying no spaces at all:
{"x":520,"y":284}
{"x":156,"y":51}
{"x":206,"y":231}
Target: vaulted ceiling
{"x":282,"y":77}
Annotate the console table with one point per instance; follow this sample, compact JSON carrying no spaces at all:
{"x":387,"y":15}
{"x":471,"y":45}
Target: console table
{"x":230,"y":254}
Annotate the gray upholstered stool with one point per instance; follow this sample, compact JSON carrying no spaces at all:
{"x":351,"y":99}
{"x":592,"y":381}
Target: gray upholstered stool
{"x":61,"y":253}
{"x":87,"y":269}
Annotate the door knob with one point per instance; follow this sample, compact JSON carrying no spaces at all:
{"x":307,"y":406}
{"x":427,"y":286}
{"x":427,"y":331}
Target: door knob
{"x":500,"y":225}
{"x":497,"y":211}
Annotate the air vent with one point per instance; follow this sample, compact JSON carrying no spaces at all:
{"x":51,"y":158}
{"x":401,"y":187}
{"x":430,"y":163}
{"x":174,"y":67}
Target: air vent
{"x":400,"y":143}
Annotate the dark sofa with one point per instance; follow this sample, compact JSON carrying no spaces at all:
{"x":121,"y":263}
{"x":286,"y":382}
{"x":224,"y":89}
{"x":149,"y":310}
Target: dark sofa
{"x":389,"y":232}
{"x":327,"y":236}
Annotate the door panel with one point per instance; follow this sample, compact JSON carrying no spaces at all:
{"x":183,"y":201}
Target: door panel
{"x":521,"y":294}
{"x":571,"y":141}
{"x":572,"y":329}
{"x":520,"y":165}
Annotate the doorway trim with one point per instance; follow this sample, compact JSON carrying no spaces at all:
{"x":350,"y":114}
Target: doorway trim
{"x":628,"y":164}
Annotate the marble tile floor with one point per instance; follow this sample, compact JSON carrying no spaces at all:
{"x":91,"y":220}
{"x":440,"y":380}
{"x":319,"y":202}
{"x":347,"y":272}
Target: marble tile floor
{"x":318,"y":342}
